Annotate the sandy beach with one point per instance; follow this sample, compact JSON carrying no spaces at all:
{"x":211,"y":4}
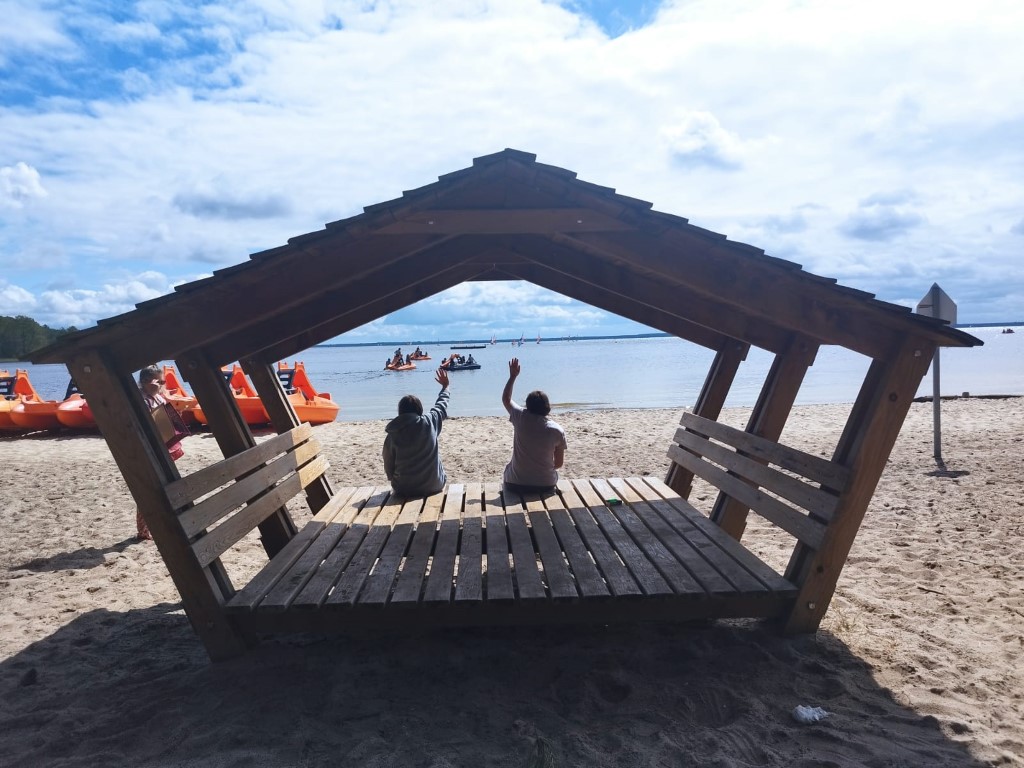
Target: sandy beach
{"x":920,"y":660}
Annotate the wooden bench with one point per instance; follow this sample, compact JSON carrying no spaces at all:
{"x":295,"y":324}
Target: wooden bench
{"x":593,"y":550}
{"x":796,"y":491}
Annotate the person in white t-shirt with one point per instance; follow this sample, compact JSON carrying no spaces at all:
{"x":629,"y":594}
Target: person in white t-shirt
{"x":538,"y":443}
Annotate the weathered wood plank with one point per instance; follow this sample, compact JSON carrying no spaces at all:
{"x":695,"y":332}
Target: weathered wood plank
{"x":710,"y":580}
{"x":524,"y":554}
{"x":353,"y":578}
{"x":804,"y":495}
{"x":556,"y":570}
{"x":772,"y":580}
{"x":317,"y":589}
{"x":688,"y":521}
{"x":588,"y":578}
{"x":282,"y":578}
{"x":828,"y":473}
{"x":218,"y":541}
{"x":499,"y":573}
{"x":788,"y":519}
{"x":469,"y":585}
{"x":656,"y":550}
{"x":411,"y":578}
{"x":473,"y":221}
{"x":446,"y":549}
{"x":217,"y":506}
{"x":207,"y":479}
{"x":645,"y":573}
{"x":616,"y":575}
{"x":381,"y":577}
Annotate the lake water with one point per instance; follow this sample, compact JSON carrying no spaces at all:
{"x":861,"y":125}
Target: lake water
{"x":622,"y":373}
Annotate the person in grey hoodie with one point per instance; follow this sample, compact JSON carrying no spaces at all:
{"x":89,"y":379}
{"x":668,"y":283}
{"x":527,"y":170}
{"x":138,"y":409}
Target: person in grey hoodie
{"x":412,"y":461}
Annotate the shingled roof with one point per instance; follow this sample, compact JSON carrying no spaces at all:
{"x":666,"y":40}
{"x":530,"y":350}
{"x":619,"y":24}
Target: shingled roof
{"x":505,"y":217}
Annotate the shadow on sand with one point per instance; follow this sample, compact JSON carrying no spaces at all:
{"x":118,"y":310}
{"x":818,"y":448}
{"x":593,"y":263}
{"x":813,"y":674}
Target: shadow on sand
{"x":137,"y":689}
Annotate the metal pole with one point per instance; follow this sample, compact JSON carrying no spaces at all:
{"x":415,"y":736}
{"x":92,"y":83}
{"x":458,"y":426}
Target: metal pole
{"x":936,"y":406}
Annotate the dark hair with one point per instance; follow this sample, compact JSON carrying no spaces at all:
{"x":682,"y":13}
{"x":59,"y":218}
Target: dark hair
{"x":537,"y":402}
{"x":410,"y":404}
{"x":150,"y":373}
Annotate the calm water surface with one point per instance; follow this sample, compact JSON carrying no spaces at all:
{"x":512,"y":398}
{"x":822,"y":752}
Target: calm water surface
{"x":625,"y":373}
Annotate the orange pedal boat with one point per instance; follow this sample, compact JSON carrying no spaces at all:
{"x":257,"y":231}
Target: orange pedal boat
{"x":74,"y":412}
{"x":15,"y":391}
{"x":246,"y":399}
{"x":310,"y":405}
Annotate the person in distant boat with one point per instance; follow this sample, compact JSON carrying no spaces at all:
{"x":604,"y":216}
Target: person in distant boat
{"x":418,"y":352}
{"x":470,"y":360}
{"x":412,"y":457}
{"x":408,"y":358}
{"x":538,"y":443}
{"x":154,"y":394}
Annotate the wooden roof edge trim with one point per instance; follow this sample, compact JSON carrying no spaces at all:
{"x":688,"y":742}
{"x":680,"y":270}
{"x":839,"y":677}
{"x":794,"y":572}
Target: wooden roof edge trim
{"x":387,"y":212}
{"x":508,"y":152}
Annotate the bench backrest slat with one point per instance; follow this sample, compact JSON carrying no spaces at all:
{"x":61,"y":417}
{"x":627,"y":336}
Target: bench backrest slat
{"x":218,"y":541}
{"x":788,"y":519}
{"x":201,"y":482}
{"x":219,"y":505}
{"x":211,"y":509}
{"x":828,"y":473}
{"x":795,"y":490}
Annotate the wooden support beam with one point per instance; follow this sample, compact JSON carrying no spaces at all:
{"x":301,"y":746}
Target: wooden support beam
{"x":365,"y":313}
{"x":220,"y":307}
{"x":624,"y":306}
{"x":739,"y":283}
{"x":231,"y":432}
{"x":283,"y":418}
{"x":709,"y":404}
{"x":768,"y":419}
{"x":874,"y":424}
{"x":315,"y":324}
{"x":593,"y":268}
{"x":140,"y":454}
{"x":504,"y":221}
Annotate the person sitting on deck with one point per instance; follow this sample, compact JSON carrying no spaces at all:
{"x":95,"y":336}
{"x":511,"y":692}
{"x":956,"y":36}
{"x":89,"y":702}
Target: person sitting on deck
{"x":538,"y":443}
{"x":470,"y":360}
{"x":412,"y":459}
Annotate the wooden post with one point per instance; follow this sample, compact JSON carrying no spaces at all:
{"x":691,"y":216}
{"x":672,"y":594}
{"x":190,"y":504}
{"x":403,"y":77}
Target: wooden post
{"x":232,"y":434}
{"x":146,"y":466}
{"x":874,"y":424}
{"x":282,"y":418}
{"x":768,"y":419}
{"x":710,"y":402}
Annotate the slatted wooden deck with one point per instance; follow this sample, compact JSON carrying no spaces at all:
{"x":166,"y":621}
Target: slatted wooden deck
{"x":477,"y":555}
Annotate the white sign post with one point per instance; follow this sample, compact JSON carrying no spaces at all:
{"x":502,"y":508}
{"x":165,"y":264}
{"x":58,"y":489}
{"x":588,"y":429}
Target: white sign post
{"x":937,"y":304}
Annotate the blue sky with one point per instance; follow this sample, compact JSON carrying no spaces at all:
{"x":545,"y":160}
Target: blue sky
{"x":146,"y":144}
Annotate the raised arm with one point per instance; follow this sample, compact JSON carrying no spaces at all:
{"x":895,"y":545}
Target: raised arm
{"x":506,"y":393}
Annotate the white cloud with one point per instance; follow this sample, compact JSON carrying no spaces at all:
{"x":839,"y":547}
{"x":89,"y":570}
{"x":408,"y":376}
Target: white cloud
{"x":698,"y":139}
{"x":303,"y":112}
{"x":19,"y":184}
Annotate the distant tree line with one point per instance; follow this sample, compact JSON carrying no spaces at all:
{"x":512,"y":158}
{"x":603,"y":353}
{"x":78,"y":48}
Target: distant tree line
{"x":20,"y":335}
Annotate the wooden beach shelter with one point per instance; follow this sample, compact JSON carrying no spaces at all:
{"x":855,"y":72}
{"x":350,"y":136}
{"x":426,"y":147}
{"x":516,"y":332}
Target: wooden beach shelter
{"x":597,"y":549}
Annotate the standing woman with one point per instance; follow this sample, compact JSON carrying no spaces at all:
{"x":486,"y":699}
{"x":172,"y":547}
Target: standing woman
{"x":151,"y":383}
